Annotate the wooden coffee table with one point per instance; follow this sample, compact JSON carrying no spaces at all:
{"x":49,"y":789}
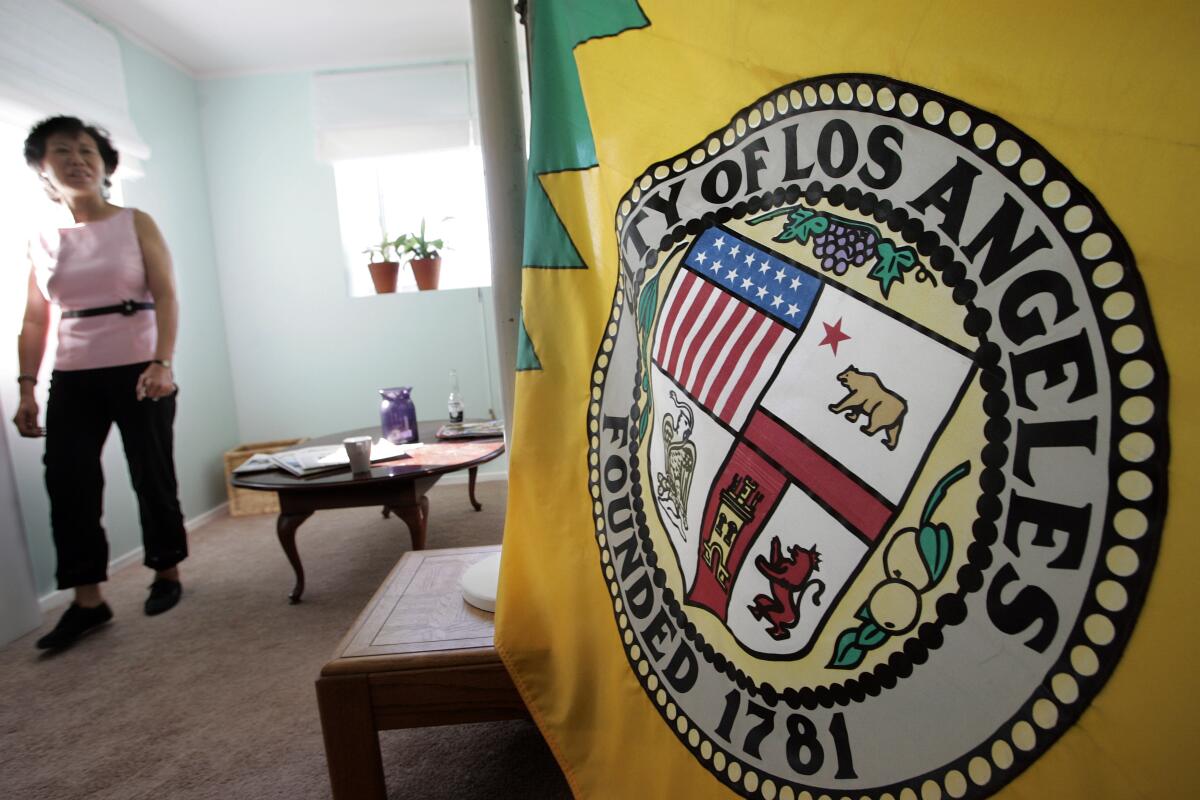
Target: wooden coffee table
{"x":417,"y":656}
{"x":398,"y":487}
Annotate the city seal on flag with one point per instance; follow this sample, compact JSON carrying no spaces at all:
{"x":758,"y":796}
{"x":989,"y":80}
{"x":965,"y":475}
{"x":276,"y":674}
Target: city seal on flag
{"x":878,"y":444}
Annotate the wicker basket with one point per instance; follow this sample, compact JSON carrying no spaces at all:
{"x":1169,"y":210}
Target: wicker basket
{"x":243,"y":502}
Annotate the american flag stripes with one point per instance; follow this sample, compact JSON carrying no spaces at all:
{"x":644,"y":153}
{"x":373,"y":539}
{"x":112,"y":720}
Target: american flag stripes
{"x":727,"y":321}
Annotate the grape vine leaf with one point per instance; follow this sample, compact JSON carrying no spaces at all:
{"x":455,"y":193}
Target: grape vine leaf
{"x":891,"y":264}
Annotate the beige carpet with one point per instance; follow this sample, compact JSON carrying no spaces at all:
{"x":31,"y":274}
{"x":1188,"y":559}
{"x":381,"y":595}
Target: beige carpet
{"x":215,"y":698}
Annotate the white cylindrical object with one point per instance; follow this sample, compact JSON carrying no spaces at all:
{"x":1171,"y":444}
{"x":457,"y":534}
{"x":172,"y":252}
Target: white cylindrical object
{"x":358,"y":448}
{"x":479,"y":583}
{"x":502,"y":128}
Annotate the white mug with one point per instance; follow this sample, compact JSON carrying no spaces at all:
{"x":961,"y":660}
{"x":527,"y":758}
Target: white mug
{"x":358,"y":448}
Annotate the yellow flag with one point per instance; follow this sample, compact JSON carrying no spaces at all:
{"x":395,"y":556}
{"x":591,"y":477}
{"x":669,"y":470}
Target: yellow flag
{"x":840,"y":459}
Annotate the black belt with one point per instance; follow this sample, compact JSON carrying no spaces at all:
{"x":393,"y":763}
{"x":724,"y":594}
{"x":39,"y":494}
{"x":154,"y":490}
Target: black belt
{"x":127,"y":308}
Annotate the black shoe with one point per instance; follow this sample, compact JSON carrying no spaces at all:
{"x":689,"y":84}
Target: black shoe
{"x":75,"y":622}
{"x":164,"y":594}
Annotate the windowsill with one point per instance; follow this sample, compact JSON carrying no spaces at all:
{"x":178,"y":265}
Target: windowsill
{"x":412,"y":290}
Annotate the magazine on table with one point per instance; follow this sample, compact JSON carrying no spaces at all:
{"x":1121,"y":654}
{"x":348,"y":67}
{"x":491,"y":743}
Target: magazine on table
{"x":259,"y":462}
{"x":305,"y":461}
{"x":472,"y":430}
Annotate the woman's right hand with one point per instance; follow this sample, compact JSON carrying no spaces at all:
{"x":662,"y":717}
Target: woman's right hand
{"x":26,"y":418}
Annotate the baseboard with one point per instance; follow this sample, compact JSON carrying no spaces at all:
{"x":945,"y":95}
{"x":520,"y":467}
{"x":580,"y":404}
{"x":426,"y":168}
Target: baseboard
{"x":60,"y":597}
{"x":483,"y":477}
{"x":206,"y":517}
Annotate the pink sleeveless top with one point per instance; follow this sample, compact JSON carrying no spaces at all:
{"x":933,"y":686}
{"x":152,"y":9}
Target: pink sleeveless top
{"x":91,"y":265}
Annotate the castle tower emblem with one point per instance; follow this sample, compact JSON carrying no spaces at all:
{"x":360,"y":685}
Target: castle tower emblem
{"x":738,"y":502}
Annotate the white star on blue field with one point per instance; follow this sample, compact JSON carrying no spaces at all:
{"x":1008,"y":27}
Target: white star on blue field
{"x":771,"y":285}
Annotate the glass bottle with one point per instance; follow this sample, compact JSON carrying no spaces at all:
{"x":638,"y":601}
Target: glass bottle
{"x":454,"y":406}
{"x":398,"y":415}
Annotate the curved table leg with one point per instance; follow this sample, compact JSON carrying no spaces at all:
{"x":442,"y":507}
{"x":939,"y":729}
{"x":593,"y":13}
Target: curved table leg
{"x":286,"y":527}
{"x":471,"y":473}
{"x":424,"y":519}
{"x":416,"y":517}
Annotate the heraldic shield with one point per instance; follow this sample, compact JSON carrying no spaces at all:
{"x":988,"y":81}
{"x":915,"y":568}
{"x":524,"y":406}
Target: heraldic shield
{"x":792,"y":417}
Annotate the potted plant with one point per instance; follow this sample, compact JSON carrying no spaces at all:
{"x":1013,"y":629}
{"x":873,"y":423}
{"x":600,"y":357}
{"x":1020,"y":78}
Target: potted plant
{"x":383,"y":270}
{"x":426,"y":259}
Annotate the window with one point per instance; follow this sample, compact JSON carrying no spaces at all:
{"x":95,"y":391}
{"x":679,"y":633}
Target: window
{"x":393,"y":194}
{"x":401,"y":145}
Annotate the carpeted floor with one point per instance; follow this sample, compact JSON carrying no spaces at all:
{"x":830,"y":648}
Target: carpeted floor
{"x":215,"y":698}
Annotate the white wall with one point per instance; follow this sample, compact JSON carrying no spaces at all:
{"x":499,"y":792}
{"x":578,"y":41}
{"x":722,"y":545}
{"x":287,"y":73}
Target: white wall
{"x":306,"y":357}
{"x":18,"y":602}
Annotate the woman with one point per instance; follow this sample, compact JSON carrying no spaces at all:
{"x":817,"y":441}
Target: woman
{"x":110,"y":274}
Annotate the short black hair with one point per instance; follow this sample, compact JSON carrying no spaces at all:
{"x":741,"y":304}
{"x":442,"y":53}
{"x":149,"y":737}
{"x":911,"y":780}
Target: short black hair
{"x":35,"y":143}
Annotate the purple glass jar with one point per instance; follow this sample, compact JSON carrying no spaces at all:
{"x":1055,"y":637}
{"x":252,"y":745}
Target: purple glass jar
{"x":398,"y":415}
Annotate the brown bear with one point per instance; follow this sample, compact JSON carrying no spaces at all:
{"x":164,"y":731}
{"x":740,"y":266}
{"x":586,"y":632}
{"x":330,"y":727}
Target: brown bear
{"x":885,"y":410}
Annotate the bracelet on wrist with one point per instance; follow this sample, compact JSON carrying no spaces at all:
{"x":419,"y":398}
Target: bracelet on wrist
{"x":162,"y":362}
{"x":30,"y":379}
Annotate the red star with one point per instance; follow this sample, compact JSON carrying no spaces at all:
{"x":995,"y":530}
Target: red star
{"x":834,"y":335}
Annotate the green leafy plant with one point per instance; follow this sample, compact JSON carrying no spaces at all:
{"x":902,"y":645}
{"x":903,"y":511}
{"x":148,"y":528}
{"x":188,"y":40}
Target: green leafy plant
{"x":381,"y":250}
{"x":418,"y":245}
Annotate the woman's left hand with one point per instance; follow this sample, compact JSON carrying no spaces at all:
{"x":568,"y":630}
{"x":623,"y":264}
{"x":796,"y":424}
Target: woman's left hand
{"x":155,"y":382}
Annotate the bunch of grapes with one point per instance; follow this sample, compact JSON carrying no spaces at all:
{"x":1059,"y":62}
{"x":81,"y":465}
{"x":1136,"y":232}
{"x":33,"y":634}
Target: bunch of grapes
{"x":842,"y":245}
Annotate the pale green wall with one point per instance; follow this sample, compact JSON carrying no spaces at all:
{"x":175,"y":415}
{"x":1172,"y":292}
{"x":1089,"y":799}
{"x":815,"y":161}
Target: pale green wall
{"x":307,"y":358}
{"x":164,"y":106}
{"x":18,"y":597}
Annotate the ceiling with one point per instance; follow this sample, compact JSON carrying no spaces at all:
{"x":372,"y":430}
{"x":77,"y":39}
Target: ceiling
{"x":213,"y":38}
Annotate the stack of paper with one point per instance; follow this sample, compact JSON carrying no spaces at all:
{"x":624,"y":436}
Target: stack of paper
{"x":381,"y":450}
{"x":321,"y":458}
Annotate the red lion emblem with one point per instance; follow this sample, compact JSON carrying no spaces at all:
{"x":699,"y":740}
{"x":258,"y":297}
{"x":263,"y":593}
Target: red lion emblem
{"x":790,"y":580}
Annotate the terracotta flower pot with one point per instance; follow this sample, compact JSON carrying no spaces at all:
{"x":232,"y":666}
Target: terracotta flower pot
{"x":383,"y":275}
{"x":426,"y":271}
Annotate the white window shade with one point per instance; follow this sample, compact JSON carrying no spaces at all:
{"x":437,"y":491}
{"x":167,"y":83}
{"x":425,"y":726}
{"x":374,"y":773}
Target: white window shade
{"x":55,"y":60}
{"x":394,"y":111}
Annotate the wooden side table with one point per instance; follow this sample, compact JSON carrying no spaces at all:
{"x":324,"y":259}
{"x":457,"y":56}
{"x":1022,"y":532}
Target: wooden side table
{"x":418,"y":655}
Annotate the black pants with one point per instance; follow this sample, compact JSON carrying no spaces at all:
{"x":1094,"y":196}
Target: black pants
{"x":82,"y":407}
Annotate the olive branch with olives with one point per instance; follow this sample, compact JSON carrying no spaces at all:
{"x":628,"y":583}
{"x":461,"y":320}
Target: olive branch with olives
{"x":914,"y":562}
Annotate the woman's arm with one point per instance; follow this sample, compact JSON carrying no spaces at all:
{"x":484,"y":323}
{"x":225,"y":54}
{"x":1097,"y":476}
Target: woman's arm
{"x":31,"y":348}
{"x":158,"y":381}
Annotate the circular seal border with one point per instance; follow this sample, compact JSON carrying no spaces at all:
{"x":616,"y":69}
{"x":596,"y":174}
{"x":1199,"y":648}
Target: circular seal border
{"x":1138,"y":388}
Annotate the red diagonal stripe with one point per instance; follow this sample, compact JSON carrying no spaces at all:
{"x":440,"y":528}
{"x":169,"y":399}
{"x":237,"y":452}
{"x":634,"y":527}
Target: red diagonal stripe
{"x":691,"y":359}
{"x":750,"y":372}
{"x":865,"y":512}
{"x":671,"y":314}
{"x":747,"y":335}
{"x":690,"y":316}
{"x":722,"y":337}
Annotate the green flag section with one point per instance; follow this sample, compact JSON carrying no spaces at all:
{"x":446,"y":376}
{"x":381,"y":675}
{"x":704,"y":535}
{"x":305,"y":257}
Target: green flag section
{"x":526,"y":356}
{"x":547,"y":245}
{"x":560,"y":135}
